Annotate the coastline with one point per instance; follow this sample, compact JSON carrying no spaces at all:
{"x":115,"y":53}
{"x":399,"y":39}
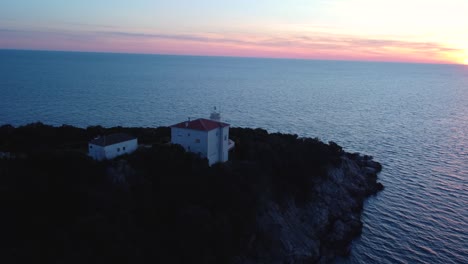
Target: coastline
{"x":320,"y":230}
{"x":281,"y":213}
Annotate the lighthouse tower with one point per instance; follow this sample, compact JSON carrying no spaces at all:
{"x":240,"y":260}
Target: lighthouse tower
{"x":207,"y":137}
{"x":215,"y":115}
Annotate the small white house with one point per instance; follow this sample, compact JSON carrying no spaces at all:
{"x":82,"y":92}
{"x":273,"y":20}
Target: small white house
{"x":208,"y":138}
{"x":111,"y":146}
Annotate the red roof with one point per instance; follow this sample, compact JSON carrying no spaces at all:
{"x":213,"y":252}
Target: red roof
{"x":201,"y":124}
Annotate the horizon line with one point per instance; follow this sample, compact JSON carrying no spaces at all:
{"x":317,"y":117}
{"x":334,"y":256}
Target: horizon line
{"x":231,"y":56}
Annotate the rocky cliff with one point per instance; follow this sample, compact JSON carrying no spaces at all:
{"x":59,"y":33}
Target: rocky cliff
{"x":280,"y":199}
{"x":323,"y":228}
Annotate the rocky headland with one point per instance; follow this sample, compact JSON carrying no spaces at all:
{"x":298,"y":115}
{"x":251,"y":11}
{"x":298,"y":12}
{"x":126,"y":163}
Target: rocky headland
{"x":279,"y":199}
{"x":319,"y":230}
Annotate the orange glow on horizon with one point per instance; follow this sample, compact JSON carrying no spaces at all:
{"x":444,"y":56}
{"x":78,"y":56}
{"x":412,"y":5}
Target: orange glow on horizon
{"x":286,"y":45}
{"x":460,"y":58}
{"x":419,"y":31}
{"x":295,"y":50}
{"x":465,"y":61}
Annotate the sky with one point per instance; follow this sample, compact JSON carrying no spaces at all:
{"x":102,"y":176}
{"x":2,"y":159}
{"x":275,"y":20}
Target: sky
{"x":421,"y":31}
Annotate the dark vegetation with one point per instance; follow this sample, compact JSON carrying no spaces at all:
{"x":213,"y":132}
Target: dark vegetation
{"x":158,"y":205}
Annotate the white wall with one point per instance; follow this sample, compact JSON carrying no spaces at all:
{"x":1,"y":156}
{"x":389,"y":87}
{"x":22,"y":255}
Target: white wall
{"x":122,"y":148}
{"x":209,"y":145}
{"x":213,"y":146}
{"x":225,"y":140}
{"x":112,"y":151}
{"x":96,"y":152}
{"x":218,"y":137}
{"x":191,"y":140}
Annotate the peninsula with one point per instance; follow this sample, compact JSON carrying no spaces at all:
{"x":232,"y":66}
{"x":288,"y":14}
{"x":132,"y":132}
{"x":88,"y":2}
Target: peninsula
{"x":279,"y":198}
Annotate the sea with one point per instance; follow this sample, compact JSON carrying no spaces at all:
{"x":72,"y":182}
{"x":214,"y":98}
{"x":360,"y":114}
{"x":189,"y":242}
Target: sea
{"x":413,"y":118}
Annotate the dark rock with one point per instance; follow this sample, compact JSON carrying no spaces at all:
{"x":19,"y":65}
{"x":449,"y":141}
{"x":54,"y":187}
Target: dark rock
{"x":380,"y":186}
{"x":324,"y":228}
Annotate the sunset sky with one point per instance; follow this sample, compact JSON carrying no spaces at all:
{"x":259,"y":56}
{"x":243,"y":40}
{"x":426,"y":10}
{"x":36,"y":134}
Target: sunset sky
{"x":433,"y":31}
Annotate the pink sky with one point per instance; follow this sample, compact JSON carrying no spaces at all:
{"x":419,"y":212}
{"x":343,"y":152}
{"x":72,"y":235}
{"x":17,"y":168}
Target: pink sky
{"x":369,"y":30}
{"x":329,"y":47}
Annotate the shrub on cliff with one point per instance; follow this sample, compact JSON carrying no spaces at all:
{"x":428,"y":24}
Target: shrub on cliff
{"x":292,"y":163}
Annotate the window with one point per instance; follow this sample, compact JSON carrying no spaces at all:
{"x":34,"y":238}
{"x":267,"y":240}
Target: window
{"x":188,"y":134}
{"x":90,"y":146}
{"x":225,"y":138}
{"x":197,"y":140}
{"x":118,"y":149}
{"x":123,"y":148}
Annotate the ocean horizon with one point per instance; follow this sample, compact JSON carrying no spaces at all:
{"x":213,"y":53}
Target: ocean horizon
{"x":411,"y":117}
{"x":226,"y":56}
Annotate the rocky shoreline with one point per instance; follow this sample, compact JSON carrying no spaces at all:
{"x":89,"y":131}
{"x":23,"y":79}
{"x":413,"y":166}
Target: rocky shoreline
{"x":322,"y":229}
{"x":279,"y":199}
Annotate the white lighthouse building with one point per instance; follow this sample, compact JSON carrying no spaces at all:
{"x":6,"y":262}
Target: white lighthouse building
{"x":207,"y":137}
{"x":111,"y":146}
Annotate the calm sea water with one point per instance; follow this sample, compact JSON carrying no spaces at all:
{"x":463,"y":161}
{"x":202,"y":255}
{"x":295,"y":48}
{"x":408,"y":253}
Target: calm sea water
{"x":413,"y":118}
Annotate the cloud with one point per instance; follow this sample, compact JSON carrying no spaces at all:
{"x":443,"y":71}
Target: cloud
{"x":318,"y":40}
{"x":183,"y":37}
{"x":306,"y":45}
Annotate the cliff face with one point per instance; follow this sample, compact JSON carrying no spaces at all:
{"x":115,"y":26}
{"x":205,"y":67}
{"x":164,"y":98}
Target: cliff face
{"x":280,"y":199}
{"x":318,"y":231}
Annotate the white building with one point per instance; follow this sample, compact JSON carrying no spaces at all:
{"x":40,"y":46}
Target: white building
{"x":111,"y":146}
{"x":208,"y":138}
